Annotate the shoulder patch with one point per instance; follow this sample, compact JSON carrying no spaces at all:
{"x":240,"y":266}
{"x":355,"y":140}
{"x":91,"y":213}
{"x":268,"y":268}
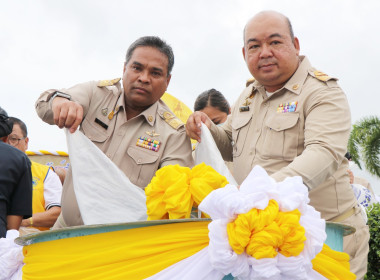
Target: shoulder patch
{"x":172,"y":120}
{"x":321,"y":76}
{"x":106,"y":83}
{"x":249,"y":81}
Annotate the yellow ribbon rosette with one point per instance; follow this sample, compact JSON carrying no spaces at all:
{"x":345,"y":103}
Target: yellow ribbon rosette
{"x":175,"y":190}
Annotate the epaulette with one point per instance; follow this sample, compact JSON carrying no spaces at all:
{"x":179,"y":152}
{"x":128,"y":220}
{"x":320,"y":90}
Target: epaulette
{"x":172,"y":120}
{"x":106,"y":83}
{"x":249,"y":81}
{"x":321,"y":76}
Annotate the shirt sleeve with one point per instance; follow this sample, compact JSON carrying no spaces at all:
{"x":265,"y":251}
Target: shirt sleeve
{"x":52,"y":190}
{"x":80,"y":93}
{"x":327,"y":129}
{"x":178,"y":151}
{"x":223,"y":138}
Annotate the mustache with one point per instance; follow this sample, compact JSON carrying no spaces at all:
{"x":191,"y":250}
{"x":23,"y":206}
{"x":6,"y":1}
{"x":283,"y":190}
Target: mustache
{"x":266,"y":62}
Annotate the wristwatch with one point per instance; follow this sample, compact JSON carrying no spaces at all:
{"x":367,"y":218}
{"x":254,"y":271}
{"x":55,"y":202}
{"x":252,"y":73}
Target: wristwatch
{"x":60,"y":94}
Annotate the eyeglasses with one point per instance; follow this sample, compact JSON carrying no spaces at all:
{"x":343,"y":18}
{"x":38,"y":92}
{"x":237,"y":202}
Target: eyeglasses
{"x":14,"y":141}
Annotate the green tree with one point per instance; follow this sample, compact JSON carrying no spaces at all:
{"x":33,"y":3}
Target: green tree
{"x":364,"y":144}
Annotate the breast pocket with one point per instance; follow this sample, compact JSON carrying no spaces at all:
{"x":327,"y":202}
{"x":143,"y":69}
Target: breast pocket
{"x":94,"y":132}
{"x":281,"y":136}
{"x":144,"y":165}
{"x":240,"y":127}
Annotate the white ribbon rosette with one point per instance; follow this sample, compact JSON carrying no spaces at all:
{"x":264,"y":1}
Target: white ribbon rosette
{"x":259,"y":192}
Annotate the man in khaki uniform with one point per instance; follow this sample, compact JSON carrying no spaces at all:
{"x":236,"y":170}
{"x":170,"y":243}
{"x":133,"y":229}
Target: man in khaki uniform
{"x":293,"y":121}
{"x":127,"y":121}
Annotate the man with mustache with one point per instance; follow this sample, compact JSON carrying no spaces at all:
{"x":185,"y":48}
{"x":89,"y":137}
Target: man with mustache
{"x":127,"y":120}
{"x":292,"y":120}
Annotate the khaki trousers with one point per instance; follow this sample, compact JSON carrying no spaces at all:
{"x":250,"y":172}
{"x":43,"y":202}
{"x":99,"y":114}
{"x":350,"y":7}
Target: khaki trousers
{"x":356,"y":245}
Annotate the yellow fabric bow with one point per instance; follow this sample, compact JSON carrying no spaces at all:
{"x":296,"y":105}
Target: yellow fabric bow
{"x":175,"y":190}
{"x":264,"y":233}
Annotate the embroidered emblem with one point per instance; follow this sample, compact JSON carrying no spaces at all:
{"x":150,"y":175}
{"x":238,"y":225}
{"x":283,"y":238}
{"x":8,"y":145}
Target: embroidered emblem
{"x":321,"y":76}
{"x":247,"y":102}
{"x":152,"y":134}
{"x":105,"y":83}
{"x":172,"y":120}
{"x":287,"y":107}
{"x":104,"y":111}
{"x":249,"y":81}
{"x":148,"y":143}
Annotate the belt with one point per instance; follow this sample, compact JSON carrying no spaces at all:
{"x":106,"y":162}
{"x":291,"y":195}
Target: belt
{"x":344,"y":215}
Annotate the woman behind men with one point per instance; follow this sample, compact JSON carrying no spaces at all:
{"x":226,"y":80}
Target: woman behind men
{"x":216,"y":107}
{"x":213,"y":104}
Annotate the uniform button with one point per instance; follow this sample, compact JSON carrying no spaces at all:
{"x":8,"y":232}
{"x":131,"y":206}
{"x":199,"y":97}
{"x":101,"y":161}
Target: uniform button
{"x":109,"y":155}
{"x":139,"y":160}
{"x":296,"y":86}
{"x":150,"y":118}
{"x":89,"y":137}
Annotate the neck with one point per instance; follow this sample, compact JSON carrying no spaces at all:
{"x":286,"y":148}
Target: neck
{"x":133,"y":111}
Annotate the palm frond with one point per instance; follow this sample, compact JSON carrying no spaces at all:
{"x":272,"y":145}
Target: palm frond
{"x":364,"y":144}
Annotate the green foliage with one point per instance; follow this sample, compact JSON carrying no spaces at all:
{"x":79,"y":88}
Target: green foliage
{"x":365,"y":141}
{"x":373,"y":214}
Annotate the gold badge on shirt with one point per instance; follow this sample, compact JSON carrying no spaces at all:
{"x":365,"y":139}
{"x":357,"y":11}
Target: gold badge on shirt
{"x":152,"y":133}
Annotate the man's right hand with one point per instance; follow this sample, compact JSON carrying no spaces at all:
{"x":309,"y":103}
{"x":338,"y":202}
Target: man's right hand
{"x":67,"y":113}
{"x":194,"y":123}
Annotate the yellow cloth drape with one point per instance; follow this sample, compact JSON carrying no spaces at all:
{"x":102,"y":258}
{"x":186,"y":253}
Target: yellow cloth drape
{"x":127,"y":254}
{"x":332,"y":264}
{"x":138,"y":253}
{"x":174,"y":190}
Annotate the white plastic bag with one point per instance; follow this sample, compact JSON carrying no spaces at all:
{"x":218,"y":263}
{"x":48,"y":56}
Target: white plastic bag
{"x":103,"y":191}
{"x":11,"y":257}
{"x":208,"y":152}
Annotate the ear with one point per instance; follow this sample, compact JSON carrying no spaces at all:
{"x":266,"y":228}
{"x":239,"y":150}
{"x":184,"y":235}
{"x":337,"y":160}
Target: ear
{"x":125,"y":67}
{"x":4,"y":139}
{"x":297,"y":45}
{"x":26,"y":143}
{"x":168,"y":80}
{"x":243,"y":51}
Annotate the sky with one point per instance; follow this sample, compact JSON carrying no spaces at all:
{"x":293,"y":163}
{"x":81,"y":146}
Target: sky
{"x":57,"y":44}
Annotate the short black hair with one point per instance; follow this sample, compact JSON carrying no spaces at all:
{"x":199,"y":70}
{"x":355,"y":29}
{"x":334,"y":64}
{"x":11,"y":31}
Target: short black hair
{"x":348,"y":156}
{"x":213,"y":98}
{"x":21,"y":124}
{"x":5,"y":124}
{"x":154,"y":42}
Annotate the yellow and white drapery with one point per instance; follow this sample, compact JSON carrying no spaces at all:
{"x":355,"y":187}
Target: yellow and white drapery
{"x":262,"y":230}
{"x":202,"y":250}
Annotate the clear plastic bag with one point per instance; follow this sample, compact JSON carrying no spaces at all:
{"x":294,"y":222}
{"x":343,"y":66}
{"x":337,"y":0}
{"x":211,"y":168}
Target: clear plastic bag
{"x":208,"y":152}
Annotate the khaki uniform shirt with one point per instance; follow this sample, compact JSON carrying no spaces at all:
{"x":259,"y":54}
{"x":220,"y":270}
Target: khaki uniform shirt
{"x":105,"y":124}
{"x":308,"y":140}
